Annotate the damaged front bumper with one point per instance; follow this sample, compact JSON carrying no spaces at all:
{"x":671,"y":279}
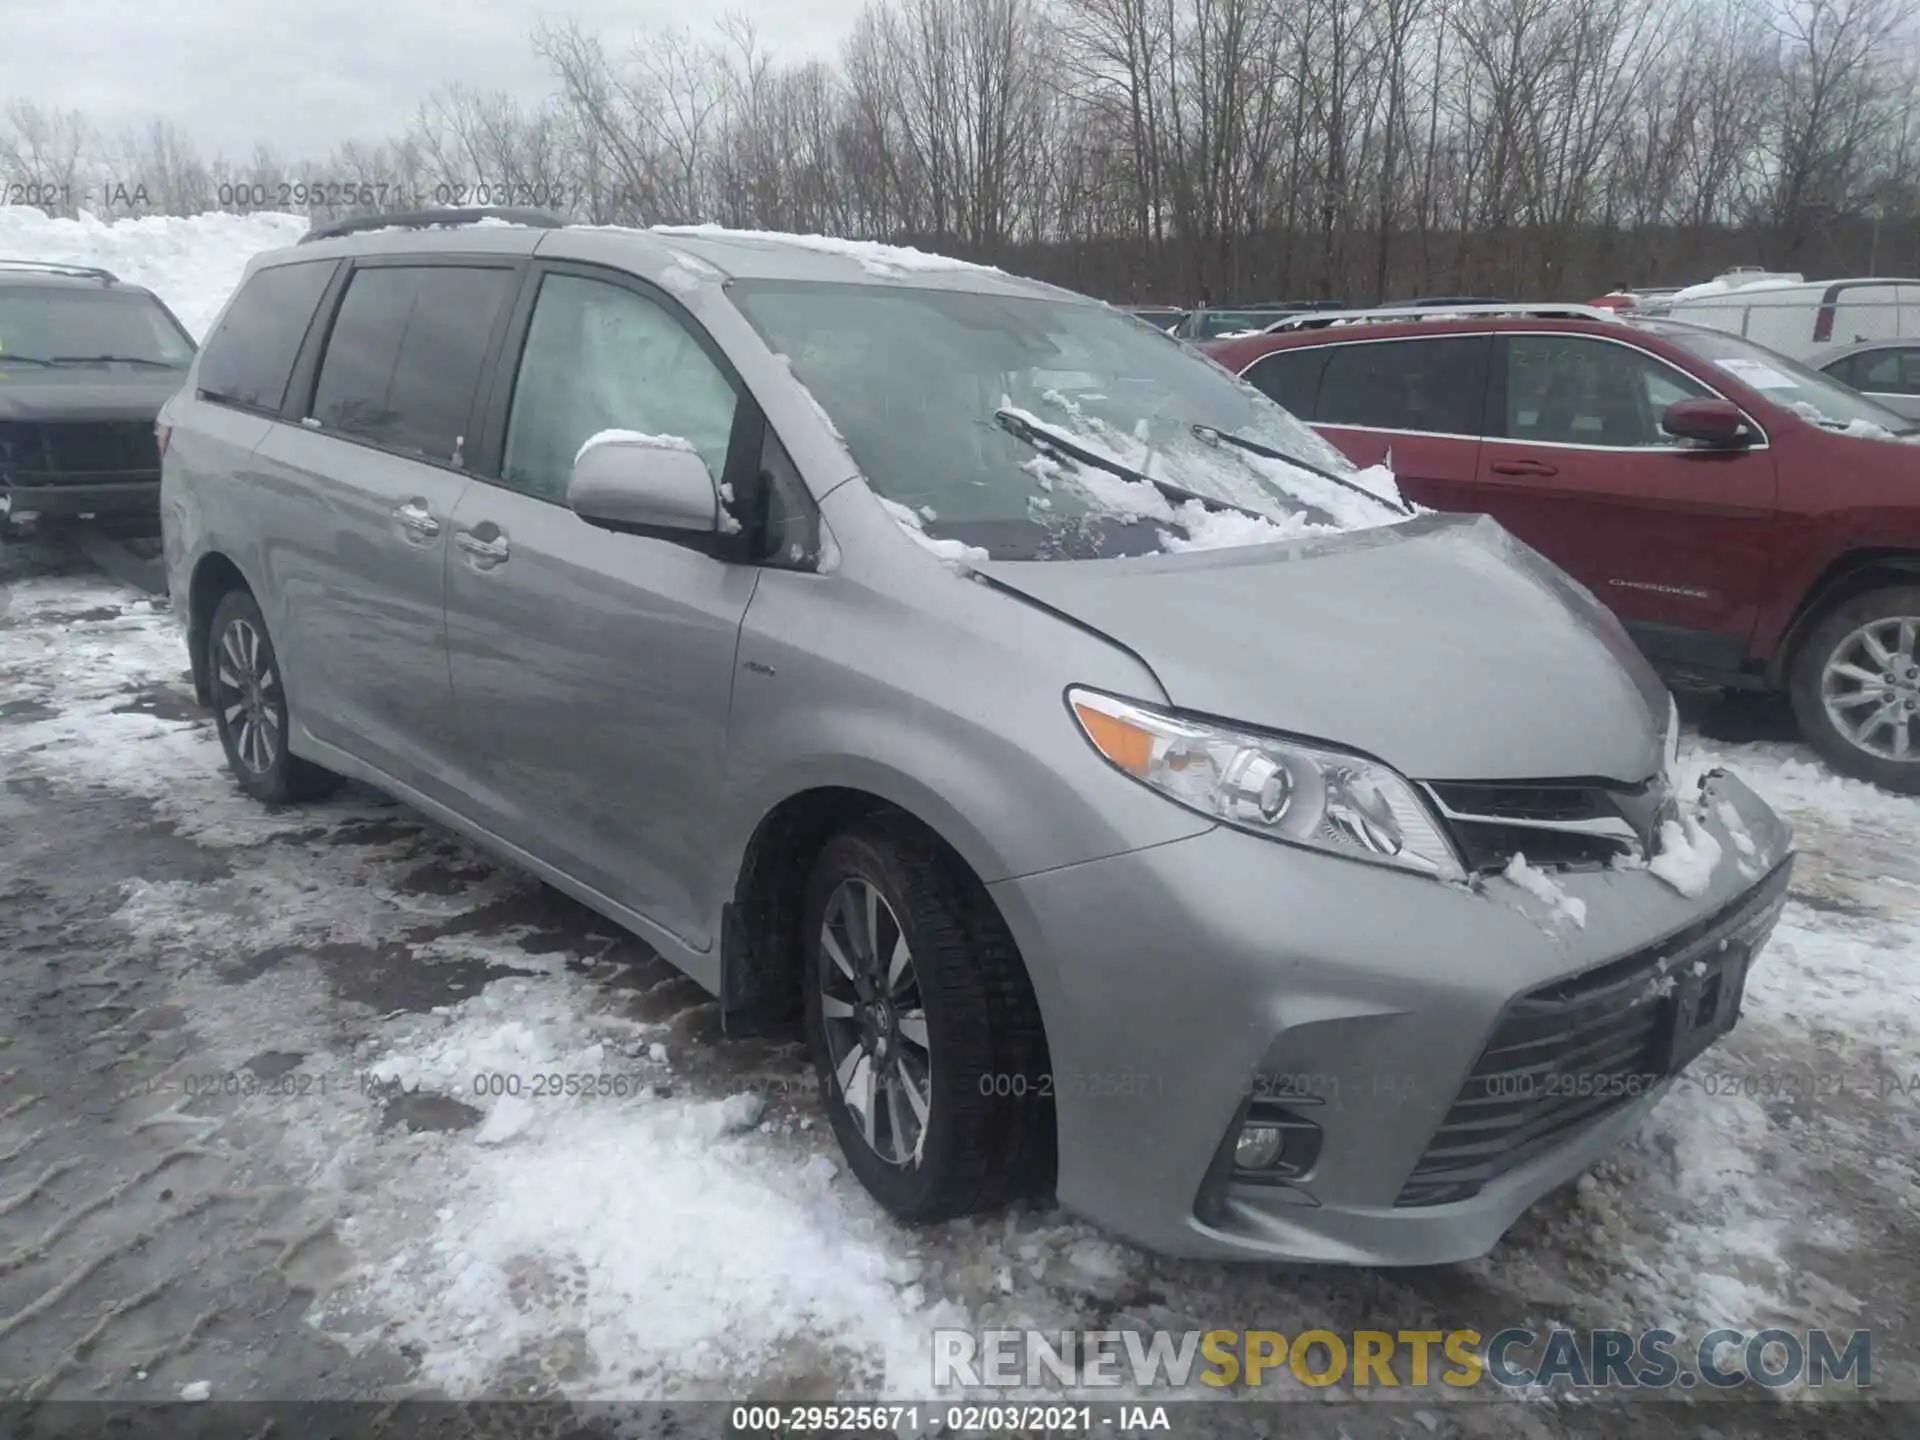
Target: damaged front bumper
{"x":1436,"y":1056}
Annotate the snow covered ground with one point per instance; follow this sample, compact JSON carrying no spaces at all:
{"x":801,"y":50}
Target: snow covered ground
{"x":686,"y":1229}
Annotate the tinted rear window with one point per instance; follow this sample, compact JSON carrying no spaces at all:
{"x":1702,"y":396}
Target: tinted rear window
{"x":1438,"y":385}
{"x":403,"y":360}
{"x":1291,"y":378}
{"x":251,"y":355}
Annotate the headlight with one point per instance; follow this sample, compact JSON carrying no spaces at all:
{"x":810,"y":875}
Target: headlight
{"x":1278,"y":788}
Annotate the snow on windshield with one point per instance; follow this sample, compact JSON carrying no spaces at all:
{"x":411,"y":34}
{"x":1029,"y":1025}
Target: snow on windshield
{"x":948,"y":399}
{"x":1289,"y":499}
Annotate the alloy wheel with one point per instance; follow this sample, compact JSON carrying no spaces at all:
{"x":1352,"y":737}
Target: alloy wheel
{"x":1870,"y":687}
{"x":876,"y":1022}
{"x":247,"y":691}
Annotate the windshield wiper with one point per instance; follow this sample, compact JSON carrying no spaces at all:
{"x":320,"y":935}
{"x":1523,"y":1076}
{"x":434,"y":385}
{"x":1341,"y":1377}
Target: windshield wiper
{"x":1044,"y":438}
{"x":24,"y":359}
{"x":114,"y":359}
{"x":1254,"y":447}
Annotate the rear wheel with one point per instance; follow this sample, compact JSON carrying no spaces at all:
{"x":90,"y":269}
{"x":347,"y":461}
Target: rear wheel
{"x":1856,"y":687}
{"x":250,"y":707}
{"x":925,"y":1033}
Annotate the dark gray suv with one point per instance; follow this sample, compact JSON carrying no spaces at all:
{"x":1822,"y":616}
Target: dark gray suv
{"x":1131,"y":798}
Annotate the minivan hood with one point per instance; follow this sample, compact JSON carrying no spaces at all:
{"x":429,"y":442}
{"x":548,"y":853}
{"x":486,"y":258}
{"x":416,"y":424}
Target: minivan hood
{"x":1442,"y":646}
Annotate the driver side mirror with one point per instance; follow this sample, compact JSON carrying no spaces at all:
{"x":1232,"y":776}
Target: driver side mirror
{"x":1714,"y":423}
{"x":644,"y":485}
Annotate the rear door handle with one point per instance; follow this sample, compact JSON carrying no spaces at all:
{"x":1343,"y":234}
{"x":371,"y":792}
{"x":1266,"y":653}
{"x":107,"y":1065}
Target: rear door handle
{"x":415,"y":516}
{"x":488,"y":552}
{"x":1523,"y":467}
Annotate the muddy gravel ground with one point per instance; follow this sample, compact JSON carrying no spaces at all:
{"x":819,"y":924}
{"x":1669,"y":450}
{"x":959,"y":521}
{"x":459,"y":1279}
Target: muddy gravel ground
{"x":246,"y":1141}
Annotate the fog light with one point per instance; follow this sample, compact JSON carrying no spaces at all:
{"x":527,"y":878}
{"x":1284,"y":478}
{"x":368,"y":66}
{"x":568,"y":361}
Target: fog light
{"x":1258,"y":1147}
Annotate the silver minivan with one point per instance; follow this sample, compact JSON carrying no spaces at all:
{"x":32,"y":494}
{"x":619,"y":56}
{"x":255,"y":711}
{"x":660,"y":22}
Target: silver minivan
{"x":1133,"y":802}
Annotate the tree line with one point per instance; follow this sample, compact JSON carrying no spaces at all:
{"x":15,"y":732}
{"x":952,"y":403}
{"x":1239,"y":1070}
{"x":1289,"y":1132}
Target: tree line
{"x":1159,"y":150}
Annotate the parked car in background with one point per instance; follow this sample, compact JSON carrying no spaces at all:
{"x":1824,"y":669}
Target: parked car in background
{"x":1642,"y":299}
{"x":1752,"y":521}
{"x":1886,"y":371}
{"x":632,"y":555}
{"x":1214,"y":324}
{"x":1162,"y":316}
{"x":86,"y":361}
{"x":1454,"y":300}
{"x":1801,"y":318}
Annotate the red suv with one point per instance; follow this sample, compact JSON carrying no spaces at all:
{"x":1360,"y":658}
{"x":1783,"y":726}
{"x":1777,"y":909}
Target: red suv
{"x":1753,"y":522}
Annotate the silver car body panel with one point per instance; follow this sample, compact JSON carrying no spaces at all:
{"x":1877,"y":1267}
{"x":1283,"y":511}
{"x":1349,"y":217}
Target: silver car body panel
{"x":619,"y":714}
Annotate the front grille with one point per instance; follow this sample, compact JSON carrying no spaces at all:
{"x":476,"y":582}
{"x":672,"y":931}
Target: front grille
{"x":73,"y":452}
{"x":1567,"y":1053}
{"x":1554,"y":823}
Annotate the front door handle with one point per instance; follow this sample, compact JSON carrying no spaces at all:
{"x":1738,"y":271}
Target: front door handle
{"x":415,"y":516}
{"x":1523,"y":467}
{"x":486,"y":552}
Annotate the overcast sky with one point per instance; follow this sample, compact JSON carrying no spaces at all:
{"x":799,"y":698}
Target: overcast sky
{"x":302,"y":75}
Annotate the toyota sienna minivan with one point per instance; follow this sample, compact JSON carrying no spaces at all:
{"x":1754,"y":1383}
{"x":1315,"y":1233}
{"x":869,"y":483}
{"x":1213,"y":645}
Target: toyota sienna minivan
{"x":1134,"y":802}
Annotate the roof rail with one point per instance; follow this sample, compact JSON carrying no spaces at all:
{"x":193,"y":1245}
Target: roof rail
{"x":1392,"y":314}
{"x":428,"y":219}
{"x":49,"y":267}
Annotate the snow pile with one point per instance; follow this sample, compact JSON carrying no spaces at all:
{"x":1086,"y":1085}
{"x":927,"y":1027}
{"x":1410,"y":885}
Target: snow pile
{"x":1688,"y":856}
{"x":662,"y":1229}
{"x":883,"y":261}
{"x":1541,"y":886}
{"x":687,"y":273}
{"x":1220,"y":472}
{"x":191,"y":262}
{"x":956,"y":555}
{"x":635,"y":438}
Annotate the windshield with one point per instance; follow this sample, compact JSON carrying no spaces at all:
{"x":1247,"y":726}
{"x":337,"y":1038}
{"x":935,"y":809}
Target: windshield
{"x":74,"y":326}
{"x":1791,"y":385}
{"x":948,"y":401}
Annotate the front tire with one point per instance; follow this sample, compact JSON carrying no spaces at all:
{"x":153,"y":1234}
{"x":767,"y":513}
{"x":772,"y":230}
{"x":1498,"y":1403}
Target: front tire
{"x":926,"y":1036}
{"x":1855,"y":688}
{"x":250,"y":707}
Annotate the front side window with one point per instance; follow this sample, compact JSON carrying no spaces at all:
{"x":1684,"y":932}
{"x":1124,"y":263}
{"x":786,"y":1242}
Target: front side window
{"x":1570,"y":390}
{"x":601,"y":357}
{"x":1436,"y":386}
{"x":1884,"y":372}
{"x":404,"y":358}
{"x":250,"y":357}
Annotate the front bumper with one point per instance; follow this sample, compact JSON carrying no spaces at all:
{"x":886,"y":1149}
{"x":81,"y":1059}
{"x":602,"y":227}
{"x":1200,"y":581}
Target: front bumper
{"x":119,"y":499}
{"x":1181,"y":982}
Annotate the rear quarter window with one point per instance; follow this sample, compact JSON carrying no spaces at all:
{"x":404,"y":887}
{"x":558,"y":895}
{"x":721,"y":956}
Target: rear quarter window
{"x":1291,"y":378}
{"x":1433,"y":386}
{"x":249,"y":358}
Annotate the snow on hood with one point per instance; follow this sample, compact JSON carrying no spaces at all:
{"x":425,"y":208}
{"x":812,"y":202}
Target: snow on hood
{"x":191,"y":262}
